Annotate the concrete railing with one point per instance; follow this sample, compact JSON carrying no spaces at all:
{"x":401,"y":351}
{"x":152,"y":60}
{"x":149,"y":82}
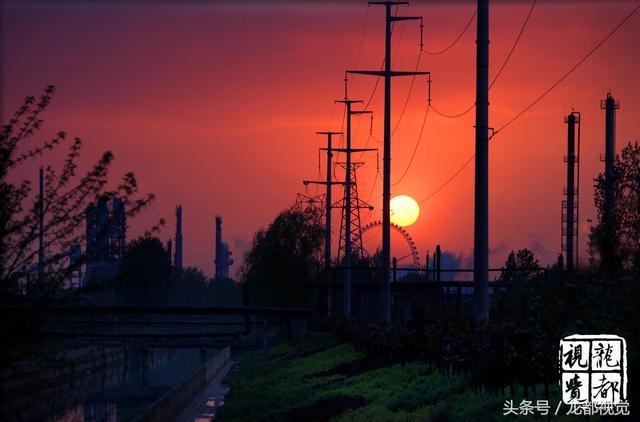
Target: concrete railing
{"x":169,"y":406}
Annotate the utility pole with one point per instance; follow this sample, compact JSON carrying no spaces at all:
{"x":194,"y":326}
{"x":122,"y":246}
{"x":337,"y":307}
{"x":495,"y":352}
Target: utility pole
{"x":347,"y":206}
{"x":481,"y":218}
{"x":41,"y":226}
{"x":328,"y":183}
{"x":387,"y":73}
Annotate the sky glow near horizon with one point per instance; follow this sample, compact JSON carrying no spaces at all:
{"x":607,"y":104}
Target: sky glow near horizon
{"x":215,"y":107}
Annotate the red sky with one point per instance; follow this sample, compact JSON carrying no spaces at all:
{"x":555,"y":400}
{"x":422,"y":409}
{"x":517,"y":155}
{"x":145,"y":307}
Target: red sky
{"x":214,"y":106}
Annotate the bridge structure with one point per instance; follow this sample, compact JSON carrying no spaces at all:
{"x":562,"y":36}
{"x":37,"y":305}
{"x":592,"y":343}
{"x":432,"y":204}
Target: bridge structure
{"x":172,"y":327}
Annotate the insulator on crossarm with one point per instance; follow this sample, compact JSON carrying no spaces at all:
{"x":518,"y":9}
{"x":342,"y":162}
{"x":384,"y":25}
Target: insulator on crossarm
{"x":346,"y":81}
{"x":421,"y":30}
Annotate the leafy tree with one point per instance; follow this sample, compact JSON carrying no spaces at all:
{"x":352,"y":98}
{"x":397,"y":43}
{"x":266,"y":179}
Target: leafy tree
{"x":65,"y":202}
{"x":520,"y":266}
{"x":616,"y":240}
{"x":146,"y":260}
{"x":284,"y":256}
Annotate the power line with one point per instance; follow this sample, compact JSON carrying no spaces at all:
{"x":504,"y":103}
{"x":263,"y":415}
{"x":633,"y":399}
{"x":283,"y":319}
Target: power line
{"x":534,"y":102}
{"x":452,"y":116}
{"x":364,"y":32}
{"x":435,"y":53}
{"x":515,"y":43}
{"x":375,"y":181}
{"x":504,"y":64}
{"x":415,"y":149}
{"x":404,"y":108}
{"x":570,"y":71}
{"x":375,"y":87}
{"x":449,"y":180}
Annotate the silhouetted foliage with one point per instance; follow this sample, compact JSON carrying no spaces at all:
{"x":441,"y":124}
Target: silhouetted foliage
{"x":519,"y":344}
{"x":65,"y":201}
{"x":520,"y":266}
{"x":145,"y":261}
{"x":283,"y":257}
{"x":617,"y":243}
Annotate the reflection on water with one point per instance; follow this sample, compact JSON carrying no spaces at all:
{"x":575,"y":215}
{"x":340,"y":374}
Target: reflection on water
{"x":117,"y":388}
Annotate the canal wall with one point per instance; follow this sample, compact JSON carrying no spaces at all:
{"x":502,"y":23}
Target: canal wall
{"x":169,"y":406}
{"x":39,"y":390}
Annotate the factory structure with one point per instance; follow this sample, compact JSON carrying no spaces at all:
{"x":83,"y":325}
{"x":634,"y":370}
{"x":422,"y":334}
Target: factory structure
{"x":177,"y":261}
{"x":223,"y":255}
{"x":105,"y":239}
{"x":222,"y":260}
{"x":570,"y":210}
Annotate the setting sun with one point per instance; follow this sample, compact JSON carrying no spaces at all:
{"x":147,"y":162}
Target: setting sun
{"x":404,"y":210}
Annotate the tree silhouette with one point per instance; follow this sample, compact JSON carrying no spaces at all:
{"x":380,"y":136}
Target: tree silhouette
{"x":520,"y":266}
{"x":65,"y":201}
{"x":284,"y":256}
{"x":617,"y":242}
{"x":145,"y":261}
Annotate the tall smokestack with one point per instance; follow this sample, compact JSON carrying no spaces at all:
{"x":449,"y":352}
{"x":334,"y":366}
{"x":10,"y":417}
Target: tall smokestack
{"x":610,"y":105}
{"x":223,"y":255}
{"x":570,"y":203}
{"x":178,"y":257}
{"x":169,"y":251}
{"x":218,"y":255}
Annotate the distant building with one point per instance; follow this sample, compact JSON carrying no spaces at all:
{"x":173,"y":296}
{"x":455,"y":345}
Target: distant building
{"x":223,"y":255}
{"x":106,"y":237}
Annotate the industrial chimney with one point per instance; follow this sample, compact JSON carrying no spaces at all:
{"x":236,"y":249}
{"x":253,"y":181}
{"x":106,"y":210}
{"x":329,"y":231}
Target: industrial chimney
{"x":178,"y":257}
{"x":610,"y":105}
{"x":223,"y":255}
{"x":570,"y":203}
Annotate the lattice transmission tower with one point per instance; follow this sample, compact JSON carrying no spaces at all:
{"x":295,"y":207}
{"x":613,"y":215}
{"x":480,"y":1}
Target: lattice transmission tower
{"x":356,"y":204}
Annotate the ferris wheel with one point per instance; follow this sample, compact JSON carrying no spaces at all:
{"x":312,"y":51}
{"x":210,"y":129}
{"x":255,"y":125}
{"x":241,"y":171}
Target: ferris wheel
{"x":412,"y":251}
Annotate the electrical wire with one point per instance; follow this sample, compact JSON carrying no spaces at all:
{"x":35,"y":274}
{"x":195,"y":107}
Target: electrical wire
{"x":452,"y":116}
{"x":515,"y":43}
{"x":375,"y":87}
{"x":364,"y":32}
{"x":449,"y":180}
{"x":540,"y":97}
{"x":415,"y":149}
{"x":375,"y":180}
{"x":406,"y":102}
{"x":435,"y":53}
{"x":504,"y":64}
{"x":569,"y":72}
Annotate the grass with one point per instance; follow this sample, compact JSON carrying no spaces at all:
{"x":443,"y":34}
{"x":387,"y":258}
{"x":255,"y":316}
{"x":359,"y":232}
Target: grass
{"x":306,"y":379}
